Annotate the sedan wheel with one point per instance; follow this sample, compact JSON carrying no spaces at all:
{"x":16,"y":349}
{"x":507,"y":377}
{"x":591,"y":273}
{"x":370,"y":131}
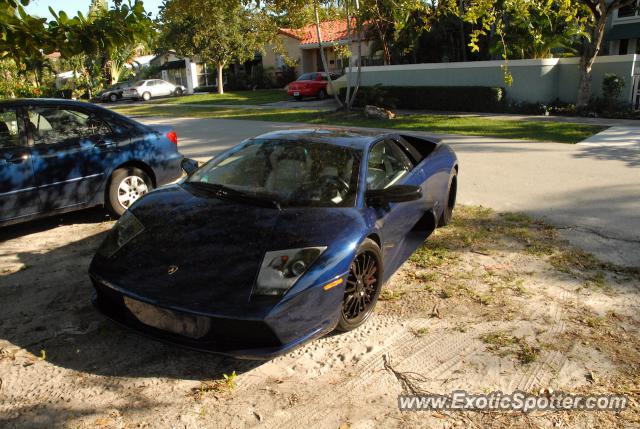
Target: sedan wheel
{"x":146,"y":96}
{"x":131,"y":188}
{"x":113,"y":98}
{"x":126,"y":187}
{"x":363,"y":287}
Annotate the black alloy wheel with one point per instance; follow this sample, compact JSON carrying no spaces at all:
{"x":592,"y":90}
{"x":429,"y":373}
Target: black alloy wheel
{"x":363,"y":286}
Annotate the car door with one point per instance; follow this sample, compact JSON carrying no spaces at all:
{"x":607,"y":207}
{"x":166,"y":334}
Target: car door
{"x":71,"y":153}
{"x":167,"y":88}
{"x":158,"y":88}
{"x":18,"y":192}
{"x":319,"y":82}
{"x":388,"y":166}
{"x":150,"y":87}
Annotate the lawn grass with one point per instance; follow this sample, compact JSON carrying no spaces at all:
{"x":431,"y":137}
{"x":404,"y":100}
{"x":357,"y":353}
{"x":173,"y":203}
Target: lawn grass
{"x":259,"y":96}
{"x":561,"y":132}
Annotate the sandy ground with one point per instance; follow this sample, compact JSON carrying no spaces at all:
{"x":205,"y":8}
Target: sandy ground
{"x":564,"y":321}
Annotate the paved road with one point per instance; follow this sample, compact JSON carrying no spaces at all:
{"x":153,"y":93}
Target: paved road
{"x":591,"y":191}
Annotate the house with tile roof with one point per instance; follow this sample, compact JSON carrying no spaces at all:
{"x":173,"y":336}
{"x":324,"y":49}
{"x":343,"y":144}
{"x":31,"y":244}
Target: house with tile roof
{"x":301,"y":46}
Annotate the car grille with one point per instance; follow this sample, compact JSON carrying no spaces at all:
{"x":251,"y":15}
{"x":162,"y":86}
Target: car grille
{"x":209,"y":333}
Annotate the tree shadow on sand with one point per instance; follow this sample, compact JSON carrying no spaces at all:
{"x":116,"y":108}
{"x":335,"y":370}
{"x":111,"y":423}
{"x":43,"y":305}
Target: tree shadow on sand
{"x":47,"y":306}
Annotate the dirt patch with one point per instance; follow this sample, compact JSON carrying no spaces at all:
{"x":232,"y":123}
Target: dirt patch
{"x":492,"y":302}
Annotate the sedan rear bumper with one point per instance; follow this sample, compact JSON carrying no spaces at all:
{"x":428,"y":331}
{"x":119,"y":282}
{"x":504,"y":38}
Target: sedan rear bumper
{"x":303,"y":92}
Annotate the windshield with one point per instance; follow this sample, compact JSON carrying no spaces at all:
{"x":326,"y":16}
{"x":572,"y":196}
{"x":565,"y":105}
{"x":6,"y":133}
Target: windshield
{"x":140,"y":83}
{"x":308,"y":76}
{"x":293,"y":173}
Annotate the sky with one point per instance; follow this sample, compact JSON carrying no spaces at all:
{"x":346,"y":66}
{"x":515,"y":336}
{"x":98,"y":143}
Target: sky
{"x":41,"y":7}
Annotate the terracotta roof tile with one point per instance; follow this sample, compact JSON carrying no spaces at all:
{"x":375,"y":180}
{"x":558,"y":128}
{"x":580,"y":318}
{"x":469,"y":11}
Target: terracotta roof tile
{"x":332,"y":31}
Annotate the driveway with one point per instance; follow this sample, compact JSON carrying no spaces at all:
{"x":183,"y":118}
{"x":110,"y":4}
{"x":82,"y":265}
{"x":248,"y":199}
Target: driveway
{"x":592,"y":192}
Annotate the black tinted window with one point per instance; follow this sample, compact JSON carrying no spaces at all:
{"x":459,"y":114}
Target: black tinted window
{"x":386,"y":165}
{"x":9,"y":128}
{"x":51,"y":125}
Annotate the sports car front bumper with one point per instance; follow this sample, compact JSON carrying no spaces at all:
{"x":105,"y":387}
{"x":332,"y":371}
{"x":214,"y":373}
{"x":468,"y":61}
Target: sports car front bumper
{"x":242,"y":338}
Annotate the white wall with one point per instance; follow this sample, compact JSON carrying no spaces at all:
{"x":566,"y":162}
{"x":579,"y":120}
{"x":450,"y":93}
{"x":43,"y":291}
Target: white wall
{"x":542,"y":80}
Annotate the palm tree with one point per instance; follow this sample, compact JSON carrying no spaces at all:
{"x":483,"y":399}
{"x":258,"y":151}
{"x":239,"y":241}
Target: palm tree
{"x":118,"y":60}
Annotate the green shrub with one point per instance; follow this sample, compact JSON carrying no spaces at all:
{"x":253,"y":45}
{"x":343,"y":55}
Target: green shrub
{"x":262,"y":78}
{"x":285,"y":76}
{"x":452,"y":98}
{"x":203,"y":88}
{"x":526,"y":108}
{"x":612,"y":86}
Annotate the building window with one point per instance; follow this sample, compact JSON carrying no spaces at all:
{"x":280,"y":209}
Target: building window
{"x":624,"y":47}
{"x":205,"y":75}
{"x":177,"y":76}
{"x":627,"y":11}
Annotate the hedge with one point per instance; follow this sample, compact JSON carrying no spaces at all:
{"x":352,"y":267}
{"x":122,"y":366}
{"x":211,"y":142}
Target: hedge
{"x":443,"y":98}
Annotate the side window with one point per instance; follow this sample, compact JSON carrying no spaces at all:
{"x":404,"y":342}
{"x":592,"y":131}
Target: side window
{"x":51,"y":125}
{"x":9,"y":129}
{"x":386,"y":165}
{"x":409,"y":151}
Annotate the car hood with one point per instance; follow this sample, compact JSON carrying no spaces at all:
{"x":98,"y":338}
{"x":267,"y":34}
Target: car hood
{"x":217,"y":246}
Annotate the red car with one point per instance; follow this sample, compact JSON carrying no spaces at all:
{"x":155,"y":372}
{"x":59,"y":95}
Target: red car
{"x":310,"y":85}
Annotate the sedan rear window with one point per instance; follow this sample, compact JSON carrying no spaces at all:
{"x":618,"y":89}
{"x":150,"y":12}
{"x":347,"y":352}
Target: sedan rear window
{"x":294,"y":173}
{"x":9,"y":133}
{"x":307,"y":76}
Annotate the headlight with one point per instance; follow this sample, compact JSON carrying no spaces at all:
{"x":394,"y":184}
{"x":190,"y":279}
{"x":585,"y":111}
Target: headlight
{"x":127,"y":228}
{"x":282,"y":268}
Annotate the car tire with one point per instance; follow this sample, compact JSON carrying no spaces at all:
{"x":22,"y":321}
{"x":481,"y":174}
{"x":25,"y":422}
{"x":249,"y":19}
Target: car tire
{"x":113,"y":98}
{"x":321,"y":94}
{"x":146,"y":96}
{"x":450,"y":202}
{"x":363,"y":287}
{"x":178,"y":92}
{"x":126,"y":186}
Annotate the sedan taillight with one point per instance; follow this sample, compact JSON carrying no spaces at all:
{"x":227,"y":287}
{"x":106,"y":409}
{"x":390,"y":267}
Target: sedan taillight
{"x":173,"y":137}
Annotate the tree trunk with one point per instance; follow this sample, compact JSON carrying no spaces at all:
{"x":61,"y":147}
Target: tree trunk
{"x":359,"y":72}
{"x":219,"y":68}
{"x":349,"y":39}
{"x":463,"y":42}
{"x":589,"y":54}
{"x":323,"y":57}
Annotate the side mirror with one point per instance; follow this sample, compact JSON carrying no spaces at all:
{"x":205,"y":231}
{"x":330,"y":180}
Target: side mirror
{"x":393,"y":194}
{"x":189,"y":165}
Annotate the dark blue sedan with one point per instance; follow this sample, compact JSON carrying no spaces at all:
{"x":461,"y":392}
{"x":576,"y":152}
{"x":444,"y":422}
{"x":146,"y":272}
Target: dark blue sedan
{"x":279,"y":240}
{"x":57,"y":156}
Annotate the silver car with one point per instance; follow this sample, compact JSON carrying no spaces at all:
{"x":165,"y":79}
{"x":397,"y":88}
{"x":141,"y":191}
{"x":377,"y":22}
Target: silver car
{"x":146,"y":89}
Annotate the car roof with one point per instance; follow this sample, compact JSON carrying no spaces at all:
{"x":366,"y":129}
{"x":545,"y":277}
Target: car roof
{"x":359,"y":139}
{"x":48,"y":102}
{"x":53,"y":102}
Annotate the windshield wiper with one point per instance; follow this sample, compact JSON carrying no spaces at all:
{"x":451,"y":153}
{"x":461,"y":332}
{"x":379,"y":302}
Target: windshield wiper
{"x":222,"y":191}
